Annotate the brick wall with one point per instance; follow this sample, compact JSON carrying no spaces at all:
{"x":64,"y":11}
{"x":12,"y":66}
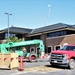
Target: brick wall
{"x":70,"y":39}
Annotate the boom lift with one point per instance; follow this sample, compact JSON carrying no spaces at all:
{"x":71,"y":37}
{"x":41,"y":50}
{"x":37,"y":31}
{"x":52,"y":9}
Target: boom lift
{"x":31,"y":56}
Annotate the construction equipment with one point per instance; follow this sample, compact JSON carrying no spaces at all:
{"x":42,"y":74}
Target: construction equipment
{"x":31,"y":56}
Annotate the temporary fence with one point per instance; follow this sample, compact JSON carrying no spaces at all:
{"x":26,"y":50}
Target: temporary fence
{"x":9,"y":60}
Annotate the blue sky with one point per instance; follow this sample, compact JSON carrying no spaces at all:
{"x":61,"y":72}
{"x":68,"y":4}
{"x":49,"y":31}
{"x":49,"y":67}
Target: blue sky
{"x":33,"y":13}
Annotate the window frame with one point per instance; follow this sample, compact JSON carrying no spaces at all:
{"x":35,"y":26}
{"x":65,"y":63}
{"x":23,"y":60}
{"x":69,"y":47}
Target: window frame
{"x":31,"y":48}
{"x":56,"y":34}
{"x":56,"y":46}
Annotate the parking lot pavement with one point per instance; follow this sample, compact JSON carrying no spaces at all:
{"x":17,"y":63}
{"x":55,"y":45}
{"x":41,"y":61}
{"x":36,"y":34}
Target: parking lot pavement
{"x":42,"y":67}
{"x":26,"y":65}
{"x":40,"y":62}
{"x":7,"y":72}
{"x":39,"y":72}
{"x":61,"y":72}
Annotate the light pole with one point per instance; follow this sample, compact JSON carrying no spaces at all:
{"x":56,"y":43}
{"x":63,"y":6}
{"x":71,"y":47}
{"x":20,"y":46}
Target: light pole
{"x":47,"y":14}
{"x":8,"y":23}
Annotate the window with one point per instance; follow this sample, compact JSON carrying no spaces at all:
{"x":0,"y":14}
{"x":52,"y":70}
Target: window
{"x":57,"y":47}
{"x":58,"y":33}
{"x":38,"y":51}
{"x":32,"y":49}
{"x":35,"y":37}
{"x":49,"y":49}
{"x":68,"y":48}
{"x":10,"y":34}
{"x":6,"y":35}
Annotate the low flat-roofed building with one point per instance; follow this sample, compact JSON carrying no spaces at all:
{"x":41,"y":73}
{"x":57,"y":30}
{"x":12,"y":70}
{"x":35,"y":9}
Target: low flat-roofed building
{"x":54,"y":36}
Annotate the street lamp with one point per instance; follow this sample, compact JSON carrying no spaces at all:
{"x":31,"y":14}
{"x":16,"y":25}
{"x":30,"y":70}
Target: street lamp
{"x":8,"y":23}
{"x":47,"y":14}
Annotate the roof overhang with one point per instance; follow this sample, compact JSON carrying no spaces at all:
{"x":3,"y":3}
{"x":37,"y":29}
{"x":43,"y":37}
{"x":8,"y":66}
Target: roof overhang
{"x":12,"y":32}
{"x":2,"y":31}
{"x":35,"y":34}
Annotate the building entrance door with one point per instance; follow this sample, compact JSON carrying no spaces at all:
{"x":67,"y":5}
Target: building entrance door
{"x":49,"y":49}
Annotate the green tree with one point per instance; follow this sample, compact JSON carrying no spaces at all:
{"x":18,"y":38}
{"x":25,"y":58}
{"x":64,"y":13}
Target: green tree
{"x":13,"y":39}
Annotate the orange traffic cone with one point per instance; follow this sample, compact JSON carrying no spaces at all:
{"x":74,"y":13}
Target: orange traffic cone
{"x":21,"y":64}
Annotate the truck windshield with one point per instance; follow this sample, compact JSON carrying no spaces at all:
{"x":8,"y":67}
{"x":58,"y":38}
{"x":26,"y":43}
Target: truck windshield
{"x":68,"y":48}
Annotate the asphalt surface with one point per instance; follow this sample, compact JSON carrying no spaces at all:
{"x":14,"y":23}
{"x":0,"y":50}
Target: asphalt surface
{"x":63,"y":72}
{"x":43,"y":62}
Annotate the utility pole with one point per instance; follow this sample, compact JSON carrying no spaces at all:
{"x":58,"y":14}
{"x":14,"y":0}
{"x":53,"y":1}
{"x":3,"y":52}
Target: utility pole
{"x":8,"y":14}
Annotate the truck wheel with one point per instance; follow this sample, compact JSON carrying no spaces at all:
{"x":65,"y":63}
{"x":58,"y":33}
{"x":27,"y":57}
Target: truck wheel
{"x":33,"y":58}
{"x":52,"y":64}
{"x":72,"y":64}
